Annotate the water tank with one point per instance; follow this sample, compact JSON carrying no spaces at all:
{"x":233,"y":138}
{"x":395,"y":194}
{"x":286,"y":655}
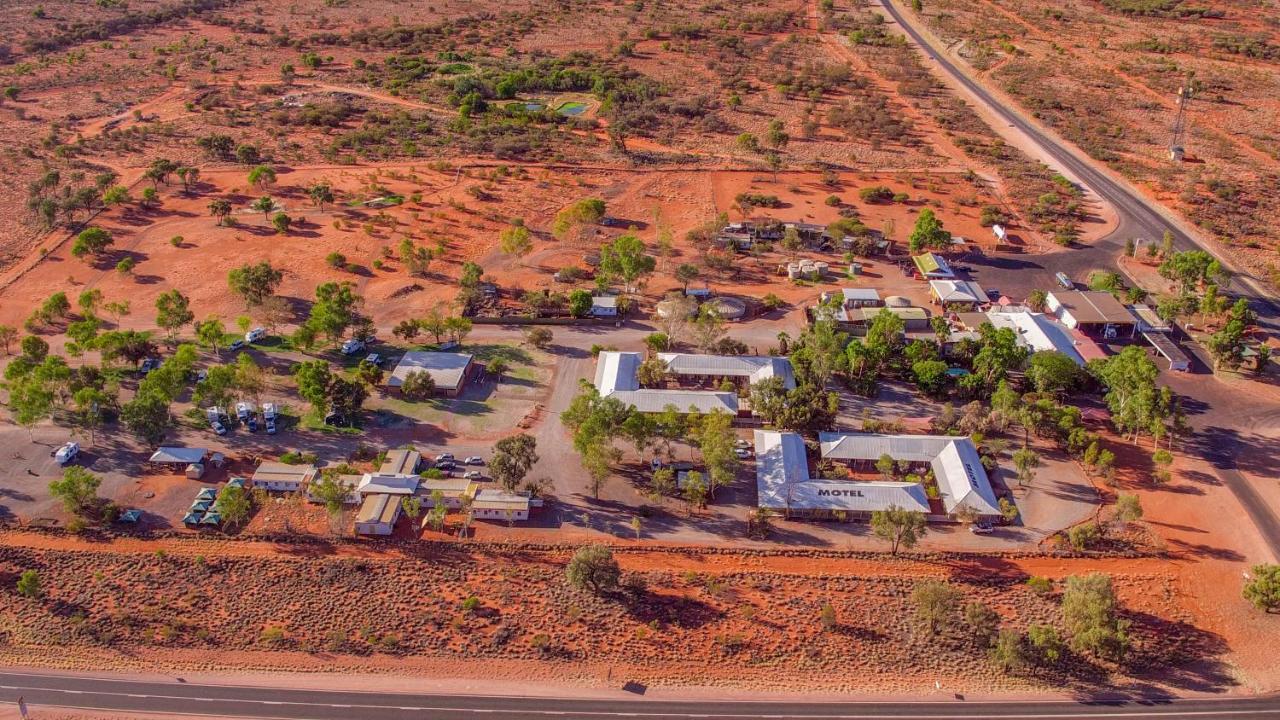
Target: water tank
{"x":729,"y":308}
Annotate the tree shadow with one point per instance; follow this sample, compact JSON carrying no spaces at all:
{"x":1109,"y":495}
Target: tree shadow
{"x":1178,"y":654}
{"x":510,"y":354}
{"x":679,"y":611}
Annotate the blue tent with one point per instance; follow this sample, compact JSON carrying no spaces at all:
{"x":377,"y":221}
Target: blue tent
{"x":206,"y":494}
{"x":191,"y":518}
{"x":213,"y":517}
{"x":130,"y":516}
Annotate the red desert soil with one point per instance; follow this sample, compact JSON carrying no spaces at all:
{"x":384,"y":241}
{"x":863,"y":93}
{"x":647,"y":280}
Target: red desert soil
{"x":205,"y":604}
{"x":446,"y":215}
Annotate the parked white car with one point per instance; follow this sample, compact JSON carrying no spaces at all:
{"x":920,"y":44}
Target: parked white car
{"x":67,"y":453}
{"x":474,"y":460}
{"x":373,"y":359}
{"x":236,"y":346}
{"x":269,"y":411}
{"x":255,"y":335}
{"x":352,"y":346}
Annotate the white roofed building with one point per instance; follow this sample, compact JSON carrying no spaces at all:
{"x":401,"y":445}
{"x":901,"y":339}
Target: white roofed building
{"x":378,"y":514}
{"x":617,"y":376}
{"x":857,"y":297}
{"x":604,"y":306}
{"x":783,"y":482}
{"x":449,"y":371}
{"x":497,"y":504}
{"x":753,"y":368}
{"x":1037,"y":332}
{"x":956,"y":292}
{"x":282,"y":477}
{"x":387,"y":484}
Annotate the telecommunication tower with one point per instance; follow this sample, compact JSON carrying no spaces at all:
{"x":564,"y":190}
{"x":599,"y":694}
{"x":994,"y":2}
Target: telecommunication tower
{"x":1176,"y":148}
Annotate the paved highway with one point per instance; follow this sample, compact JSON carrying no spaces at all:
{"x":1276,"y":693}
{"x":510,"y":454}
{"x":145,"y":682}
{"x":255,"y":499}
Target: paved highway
{"x":1138,"y":216}
{"x":234,"y":701}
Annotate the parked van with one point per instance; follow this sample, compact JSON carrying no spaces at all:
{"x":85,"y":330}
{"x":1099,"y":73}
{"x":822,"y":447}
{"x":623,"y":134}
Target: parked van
{"x":67,"y":453}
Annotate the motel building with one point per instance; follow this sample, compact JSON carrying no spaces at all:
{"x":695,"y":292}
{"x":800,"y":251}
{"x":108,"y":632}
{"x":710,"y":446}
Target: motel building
{"x":785,"y":485}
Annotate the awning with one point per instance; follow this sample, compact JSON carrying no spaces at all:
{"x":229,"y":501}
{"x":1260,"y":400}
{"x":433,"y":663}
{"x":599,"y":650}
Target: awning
{"x":179,"y":455}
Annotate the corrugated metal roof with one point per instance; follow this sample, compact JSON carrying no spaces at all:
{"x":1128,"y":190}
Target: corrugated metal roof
{"x":858,"y":446}
{"x":780,"y":462}
{"x":932,"y":265}
{"x":828,"y":313}
{"x":962,"y":481}
{"x":445,"y":485}
{"x":617,"y":371}
{"x":1038,"y":332}
{"x":378,"y":508}
{"x":957,"y":291}
{"x":782,"y":482}
{"x":655,"y":401}
{"x":1093,"y":306}
{"x":860,"y":294}
{"x":446,"y":369}
{"x":616,"y":376}
{"x":492,"y":499}
{"x":859,"y":496}
{"x":377,"y":483}
{"x":755,"y":367}
{"x":179,"y":455}
{"x":281,"y":472}
{"x":868,"y":314}
{"x":401,"y":461}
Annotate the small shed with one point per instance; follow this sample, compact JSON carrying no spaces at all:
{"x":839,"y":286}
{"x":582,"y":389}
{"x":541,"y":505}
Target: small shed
{"x":604,"y":306}
{"x":860,"y":297}
{"x":933,"y":266}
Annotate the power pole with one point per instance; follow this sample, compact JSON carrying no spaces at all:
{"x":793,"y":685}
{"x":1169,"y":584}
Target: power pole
{"x":1177,"y":149}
